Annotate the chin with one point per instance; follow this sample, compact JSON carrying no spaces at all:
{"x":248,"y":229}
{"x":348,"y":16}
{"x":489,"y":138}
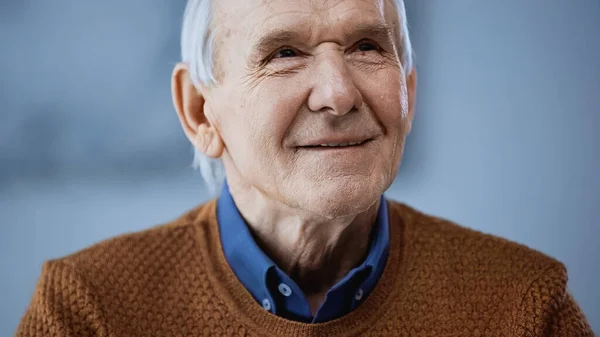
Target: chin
{"x":340,"y":196}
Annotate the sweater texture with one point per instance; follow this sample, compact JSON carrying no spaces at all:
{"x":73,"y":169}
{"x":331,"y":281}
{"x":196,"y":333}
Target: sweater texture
{"x":440,"y":279}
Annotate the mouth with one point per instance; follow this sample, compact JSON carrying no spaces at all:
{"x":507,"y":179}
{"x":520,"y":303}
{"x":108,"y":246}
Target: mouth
{"x":336,"y":145}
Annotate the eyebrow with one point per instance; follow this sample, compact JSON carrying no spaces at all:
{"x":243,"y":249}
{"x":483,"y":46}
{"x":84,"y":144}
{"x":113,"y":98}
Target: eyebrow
{"x":274,"y":39}
{"x":379,"y":31}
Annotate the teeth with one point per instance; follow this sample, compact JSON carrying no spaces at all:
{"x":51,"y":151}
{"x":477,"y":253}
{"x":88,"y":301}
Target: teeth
{"x":341,"y":144}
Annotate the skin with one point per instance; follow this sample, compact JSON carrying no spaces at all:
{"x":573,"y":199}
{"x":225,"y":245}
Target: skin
{"x":333,"y":76}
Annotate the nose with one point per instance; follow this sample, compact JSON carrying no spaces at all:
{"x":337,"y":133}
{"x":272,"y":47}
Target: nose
{"x":334,"y":89}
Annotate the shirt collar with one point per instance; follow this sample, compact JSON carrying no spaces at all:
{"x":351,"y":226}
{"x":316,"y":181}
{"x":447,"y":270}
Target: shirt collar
{"x":380,"y":238}
{"x":378,"y":248}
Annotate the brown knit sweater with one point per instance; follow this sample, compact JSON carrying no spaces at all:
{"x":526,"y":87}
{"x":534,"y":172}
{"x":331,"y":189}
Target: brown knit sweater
{"x":440,"y":280}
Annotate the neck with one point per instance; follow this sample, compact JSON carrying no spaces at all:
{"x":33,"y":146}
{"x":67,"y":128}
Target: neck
{"x":315,"y":251}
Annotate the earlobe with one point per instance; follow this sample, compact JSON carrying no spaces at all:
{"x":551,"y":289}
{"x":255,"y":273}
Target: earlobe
{"x":190,"y":105}
{"x":208,"y":141}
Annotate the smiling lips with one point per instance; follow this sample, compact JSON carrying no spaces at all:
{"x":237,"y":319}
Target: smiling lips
{"x":334,"y":144}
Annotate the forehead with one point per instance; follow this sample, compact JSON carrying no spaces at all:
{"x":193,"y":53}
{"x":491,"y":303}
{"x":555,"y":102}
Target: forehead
{"x":250,"y":19}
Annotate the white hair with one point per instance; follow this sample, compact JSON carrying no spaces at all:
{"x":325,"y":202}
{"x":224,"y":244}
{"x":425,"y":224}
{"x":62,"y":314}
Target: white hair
{"x":197,"y":51}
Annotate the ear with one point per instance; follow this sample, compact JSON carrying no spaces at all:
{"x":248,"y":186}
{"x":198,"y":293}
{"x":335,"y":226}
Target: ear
{"x":411,"y":89}
{"x":191,"y":107}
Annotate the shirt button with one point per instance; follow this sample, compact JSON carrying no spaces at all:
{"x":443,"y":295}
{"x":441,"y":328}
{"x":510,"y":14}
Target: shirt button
{"x":266,"y":304}
{"x":284,"y":289}
{"x":359,"y":295}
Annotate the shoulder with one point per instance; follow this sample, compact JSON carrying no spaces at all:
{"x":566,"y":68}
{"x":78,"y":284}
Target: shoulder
{"x":117,"y":279}
{"x":148,"y":254}
{"x":469,"y":256}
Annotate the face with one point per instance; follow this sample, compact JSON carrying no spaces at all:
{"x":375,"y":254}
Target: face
{"x":312,"y":103}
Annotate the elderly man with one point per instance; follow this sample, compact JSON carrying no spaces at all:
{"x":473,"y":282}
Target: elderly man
{"x":306,"y":105}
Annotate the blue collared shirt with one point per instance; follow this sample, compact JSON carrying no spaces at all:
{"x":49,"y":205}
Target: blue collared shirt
{"x":275,"y":290}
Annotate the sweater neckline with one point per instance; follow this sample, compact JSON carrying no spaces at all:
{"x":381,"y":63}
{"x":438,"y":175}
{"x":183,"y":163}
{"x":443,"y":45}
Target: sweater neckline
{"x":251,"y":314}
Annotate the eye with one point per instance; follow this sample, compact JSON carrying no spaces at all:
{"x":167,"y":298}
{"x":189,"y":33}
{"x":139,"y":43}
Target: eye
{"x":367,"y":46}
{"x":285,"y":53}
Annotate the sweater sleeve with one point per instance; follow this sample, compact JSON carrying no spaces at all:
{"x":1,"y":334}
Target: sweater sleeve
{"x":548,"y":309}
{"x":62,"y":306}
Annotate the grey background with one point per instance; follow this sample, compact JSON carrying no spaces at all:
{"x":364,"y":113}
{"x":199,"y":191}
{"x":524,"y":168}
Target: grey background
{"x":504,"y":138}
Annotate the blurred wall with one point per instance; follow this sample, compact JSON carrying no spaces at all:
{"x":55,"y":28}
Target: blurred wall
{"x":503,"y":139}
{"x":86,"y":87}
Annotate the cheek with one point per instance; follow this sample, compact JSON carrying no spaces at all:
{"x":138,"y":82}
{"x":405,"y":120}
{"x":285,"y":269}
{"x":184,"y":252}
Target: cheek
{"x":257,"y":126}
{"x":234,"y":127}
{"x":272,"y":111}
{"x":386,"y":95}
